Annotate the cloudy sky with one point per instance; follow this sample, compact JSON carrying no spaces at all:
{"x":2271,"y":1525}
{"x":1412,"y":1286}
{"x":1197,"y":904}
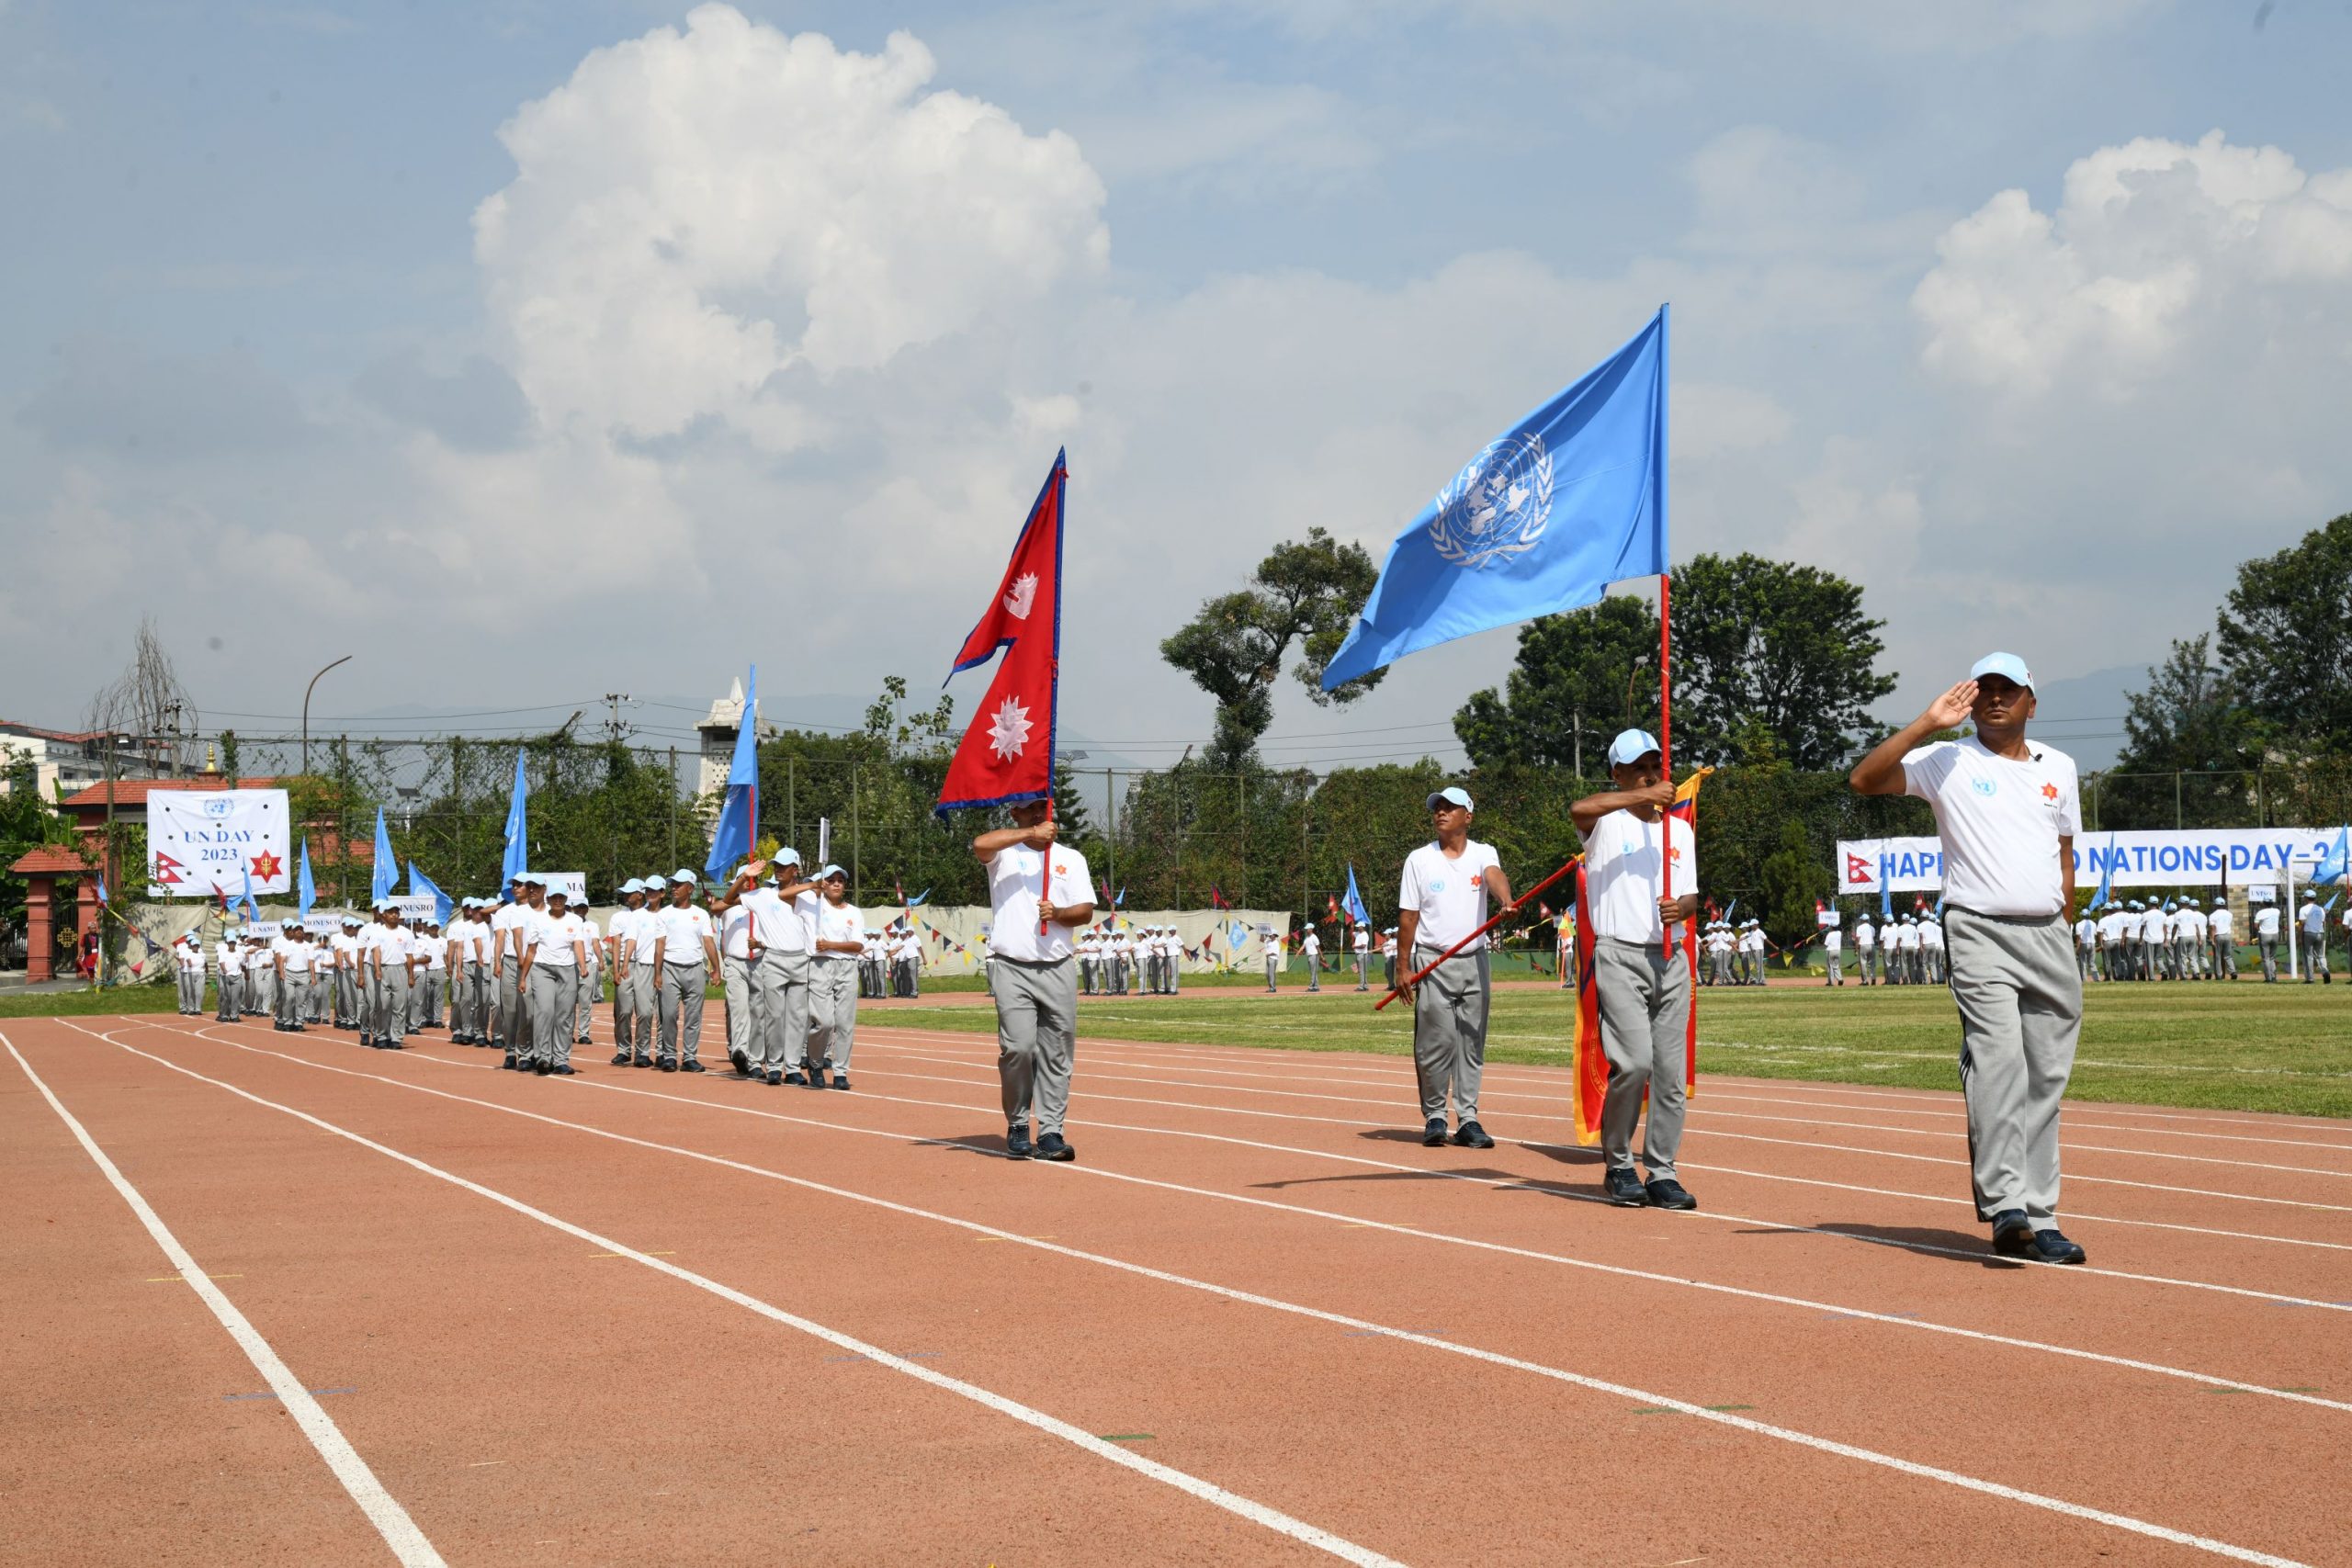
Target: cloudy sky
{"x":536,"y":349}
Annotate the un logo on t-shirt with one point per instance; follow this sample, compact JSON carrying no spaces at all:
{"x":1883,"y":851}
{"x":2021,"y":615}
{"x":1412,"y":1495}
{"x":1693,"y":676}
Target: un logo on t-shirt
{"x":1437,"y":885}
{"x":1986,"y":787}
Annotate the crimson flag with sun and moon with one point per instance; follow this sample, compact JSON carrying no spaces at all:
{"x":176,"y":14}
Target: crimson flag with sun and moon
{"x":1007,"y":755}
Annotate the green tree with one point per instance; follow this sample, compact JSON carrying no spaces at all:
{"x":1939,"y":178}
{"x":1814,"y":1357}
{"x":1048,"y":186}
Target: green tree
{"x":1772,"y":659}
{"x":2286,"y":640}
{"x":1791,"y":878}
{"x":1577,"y":681}
{"x":26,"y":822}
{"x":2191,"y":746}
{"x":1305,"y":595}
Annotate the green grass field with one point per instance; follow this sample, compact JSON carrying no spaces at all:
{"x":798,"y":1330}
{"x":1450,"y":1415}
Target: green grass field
{"x":2246,"y":1046}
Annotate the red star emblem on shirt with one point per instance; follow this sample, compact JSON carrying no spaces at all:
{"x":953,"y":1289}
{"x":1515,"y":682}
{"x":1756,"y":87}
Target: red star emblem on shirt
{"x":2050,"y":792}
{"x":267,"y":866}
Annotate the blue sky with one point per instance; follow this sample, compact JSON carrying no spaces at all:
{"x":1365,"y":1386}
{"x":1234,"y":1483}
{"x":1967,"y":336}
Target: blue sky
{"x":760,"y":346}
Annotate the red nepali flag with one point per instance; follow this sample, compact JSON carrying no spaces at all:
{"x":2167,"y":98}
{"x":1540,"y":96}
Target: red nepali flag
{"x":1008,"y":753}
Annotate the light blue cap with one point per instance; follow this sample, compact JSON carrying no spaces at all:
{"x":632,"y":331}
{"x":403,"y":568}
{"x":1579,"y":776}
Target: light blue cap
{"x":633,"y":885}
{"x":2007,"y":664}
{"x":1451,"y":795}
{"x":682,"y":874}
{"x":1631,"y":746}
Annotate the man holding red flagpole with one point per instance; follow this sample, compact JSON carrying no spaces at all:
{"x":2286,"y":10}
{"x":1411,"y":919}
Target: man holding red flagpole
{"x":1038,"y":890}
{"x":1633,"y":844}
{"x":1441,"y":909}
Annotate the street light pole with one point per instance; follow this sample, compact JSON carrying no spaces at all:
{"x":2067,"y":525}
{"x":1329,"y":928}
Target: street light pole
{"x":306,"y":714}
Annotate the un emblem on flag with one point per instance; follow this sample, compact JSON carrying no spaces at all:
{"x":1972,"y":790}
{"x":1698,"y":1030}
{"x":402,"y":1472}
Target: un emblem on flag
{"x":1498,"y":505}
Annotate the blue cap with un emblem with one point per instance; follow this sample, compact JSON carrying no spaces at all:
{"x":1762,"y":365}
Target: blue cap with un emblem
{"x":1631,"y":746}
{"x":2004,"y":664}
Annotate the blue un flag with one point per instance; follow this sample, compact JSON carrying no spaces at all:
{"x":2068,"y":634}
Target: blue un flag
{"x":1567,"y":502}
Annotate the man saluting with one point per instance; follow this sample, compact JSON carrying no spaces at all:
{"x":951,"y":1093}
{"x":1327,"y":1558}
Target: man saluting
{"x":2008,"y":812}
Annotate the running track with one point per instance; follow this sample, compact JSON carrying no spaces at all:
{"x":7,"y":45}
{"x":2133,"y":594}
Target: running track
{"x":445,"y":1313}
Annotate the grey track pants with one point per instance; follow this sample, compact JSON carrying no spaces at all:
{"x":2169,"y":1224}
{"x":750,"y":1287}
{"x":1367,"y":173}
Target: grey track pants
{"x":590,"y":991}
{"x":833,"y":1012}
{"x":735,"y":987}
{"x":2268,"y":947}
{"x":555,"y":989}
{"x":779,"y":1010}
{"x":1645,"y":1015}
{"x":388,"y":1015}
{"x":229,"y":985}
{"x":1449,"y":1032}
{"x":2020,"y":1011}
{"x":1036,"y":1038}
{"x":634,"y":1009}
{"x":514,"y":1010}
{"x":191,"y":991}
{"x":679,"y":1004}
{"x":292,"y":985}
{"x":2225,"y":958}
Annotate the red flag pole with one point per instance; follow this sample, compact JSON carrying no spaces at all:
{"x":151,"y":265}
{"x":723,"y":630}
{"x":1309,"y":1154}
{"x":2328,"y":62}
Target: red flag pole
{"x":1508,"y":909}
{"x":1666,"y":745}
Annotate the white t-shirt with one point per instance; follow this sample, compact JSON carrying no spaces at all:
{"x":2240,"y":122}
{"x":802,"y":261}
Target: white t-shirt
{"x":839,"y":922}
{"x":1622,"y":873}
{"x":2314,"y":919}
{"x":1361,"y":941}
{"x":1832,"y":941}
{"x":1865,"y":935}
{"x":589,"y":938}
{"x":553,"y":935}
{"x":735,"y":929}
{"x":2265,"y":919}
{"x":1313,"y":945}
{"x":681,"y":931}
{"x":2220,"y":923}
{"x":2086,"y":932}
{"x":784,"y":926}
{"x":296,"y":955}
{"x":2000,"y":821}
{"x":1448,"y":893}
{"x":2152,"y":928}
{"x":1013,"y":879}
{"x":514,"y":919}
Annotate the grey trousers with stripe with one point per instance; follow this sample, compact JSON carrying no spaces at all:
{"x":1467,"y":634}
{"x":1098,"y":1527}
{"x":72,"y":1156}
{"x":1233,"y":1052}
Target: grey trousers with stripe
{"x":832,"y":1010}
{"x":679,"y":1002}
{"x":779,"y":1018}
{"x":2020,"y":1011}
{"x":1644,"y":1022}
{"x":1450,"y":1031}
{"x":388,"y":1005}
{"x":1036,"y":1038}
{"x":735,"y":985}
{"x":554,"y":990}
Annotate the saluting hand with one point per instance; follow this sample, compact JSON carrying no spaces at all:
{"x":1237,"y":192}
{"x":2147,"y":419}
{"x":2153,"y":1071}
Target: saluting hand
{"x":1948,"y":711}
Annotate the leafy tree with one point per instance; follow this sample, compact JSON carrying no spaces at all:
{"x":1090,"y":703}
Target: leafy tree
{"x":2286,"y":640}
{"x":26,"y":822}
{"x":2186,"y":734}
{"x":1772,"y":660}
{"x":1577,"y":682}
{"x":1791,"y":878}
{"x":1309,"y":594}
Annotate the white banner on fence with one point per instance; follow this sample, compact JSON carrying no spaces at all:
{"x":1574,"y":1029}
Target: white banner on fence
{"x":572,"y":884}
{"x":201,"y":844}
{"x":2161,"y":857}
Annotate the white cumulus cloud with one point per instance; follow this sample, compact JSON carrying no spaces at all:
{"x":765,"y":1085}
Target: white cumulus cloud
{"x":697,"y":213}
{"x":2149,"y":242}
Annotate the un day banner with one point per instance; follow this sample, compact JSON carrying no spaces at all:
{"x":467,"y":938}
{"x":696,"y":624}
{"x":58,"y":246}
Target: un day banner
{"x":205,"y":844}
{"x":2159,"y":857}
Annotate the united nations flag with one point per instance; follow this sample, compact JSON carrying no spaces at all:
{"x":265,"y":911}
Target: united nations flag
{"x":1543,"y":519}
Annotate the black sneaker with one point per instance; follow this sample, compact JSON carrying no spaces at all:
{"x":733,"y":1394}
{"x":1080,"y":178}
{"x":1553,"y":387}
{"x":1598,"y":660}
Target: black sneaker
{"x":791,"y":1078}
{"x":620,"y":1059}
{"x":564,"y":1071}
{"x":642,"y":1061}
{"x":2052,"y":1246}
{"x":841,"y":1081}
{"x":1433,"y":1135}
{"x":1668,"y":1194}
{"x":507,"y":1066}
{"x":2012,"y":1233}
{"x":1470,"y":1135}
{"x":541,"y":1068}
{"x":1016,"y":1141}
{"x":743,"y":1063}
{"x":1052,"y":1146}
{"x":669,"y":1067}
{"x":816,"y":1078}
{"x":690,"y":1068}
{"x":1623,"y":1188}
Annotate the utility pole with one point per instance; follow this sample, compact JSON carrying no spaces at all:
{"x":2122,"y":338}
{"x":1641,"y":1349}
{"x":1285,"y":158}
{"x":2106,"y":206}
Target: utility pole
{"x":614,"y":728}
{"x":613,"y":735}
{"x":106,"y":859}
{"x":674,"y":806}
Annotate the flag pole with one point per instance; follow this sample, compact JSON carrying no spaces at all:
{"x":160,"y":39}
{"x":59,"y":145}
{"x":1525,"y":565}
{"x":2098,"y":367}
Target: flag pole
{"x":1509,"y":909}
{"x":1665,"y":747}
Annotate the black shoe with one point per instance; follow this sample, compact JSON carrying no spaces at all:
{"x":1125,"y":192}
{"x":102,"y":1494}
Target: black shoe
{"x":1470,"y":1135}
{"x":794,"y":1077}
{"x":688,"y":1067}
{"x":743,"y":1063}
{"x":1433,"y":1135}
{"x":1052,"y":1146}
{"x":1666,"y":1194}
{"x":817,"y":1077}
{"x":1016,"y":1141}
{"x":541,"y":1068}
{"x":620,"y":1059}
{"x":669,"y":1067}
{"x":1623,"y":1188}
{"x":507,"y":1066}
{"x":2052,"y":1246}
{"x":841,"y":1081}
{"x":564,"y":1071}
{"x":2012,"y":1233}
{"x":394,"y":1045}
{"x":642,"y":1061}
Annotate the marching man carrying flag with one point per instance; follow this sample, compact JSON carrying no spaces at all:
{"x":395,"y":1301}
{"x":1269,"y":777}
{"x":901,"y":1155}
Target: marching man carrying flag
{"x":1039,"y":890}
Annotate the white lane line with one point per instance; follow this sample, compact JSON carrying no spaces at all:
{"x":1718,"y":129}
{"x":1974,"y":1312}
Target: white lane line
{"x":1355,"y":1074}
{"x":383,"y":1510}
{"x":1728,"y":1085}
{"x":2072,"y":1214}
{"x":1208,"y":1492}
{"x":2100,"y":1273}
{"x":1648,"y":1276}
{"x":1761,"y":1429}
